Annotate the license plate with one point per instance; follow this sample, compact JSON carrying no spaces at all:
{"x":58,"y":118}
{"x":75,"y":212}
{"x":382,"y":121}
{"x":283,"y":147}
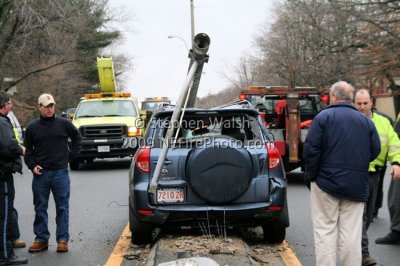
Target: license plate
{"x":170,"y":195}
{"x":103,"y":148}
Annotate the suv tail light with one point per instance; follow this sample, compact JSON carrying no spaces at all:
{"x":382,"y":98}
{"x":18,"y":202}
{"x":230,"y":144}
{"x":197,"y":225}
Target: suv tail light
{"x":143,"y":160}
{"x":274,"y":208}
{"x":274,"y":157}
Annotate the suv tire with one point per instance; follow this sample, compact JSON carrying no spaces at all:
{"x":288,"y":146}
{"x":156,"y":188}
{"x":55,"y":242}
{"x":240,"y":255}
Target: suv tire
{"x":219,"y":171}
{"x":141,"y":233}
{"x":274,"y":235}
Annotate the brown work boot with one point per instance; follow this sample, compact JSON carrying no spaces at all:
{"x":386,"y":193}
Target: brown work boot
{"x":62,"y":246}
{"x":38,"y":246}
{"x":19,"y":243}
{"x":368,"y":261}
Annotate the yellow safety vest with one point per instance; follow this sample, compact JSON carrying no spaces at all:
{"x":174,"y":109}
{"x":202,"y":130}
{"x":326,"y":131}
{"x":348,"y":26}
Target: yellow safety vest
{"x":17,"y":136}
{"x":390,"y":143}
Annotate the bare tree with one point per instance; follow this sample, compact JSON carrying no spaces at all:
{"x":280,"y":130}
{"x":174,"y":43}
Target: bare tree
{"x":319,"y":42}
{"x":379,"y":35}
{"x":244,"y":73}
{"x":51,"y":46}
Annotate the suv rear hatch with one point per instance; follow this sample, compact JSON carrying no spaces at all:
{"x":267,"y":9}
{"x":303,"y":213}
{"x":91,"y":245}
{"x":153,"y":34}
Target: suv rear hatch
{"x":215,"y":157}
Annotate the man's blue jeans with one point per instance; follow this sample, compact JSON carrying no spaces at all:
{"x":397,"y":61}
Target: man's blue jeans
{"x":56,"y":181}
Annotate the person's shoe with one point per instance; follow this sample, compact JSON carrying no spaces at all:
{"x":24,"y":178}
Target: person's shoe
{"x":14,"y":260}
{"x":19,"y":243}
{"x":392,"y":238}
{"x":62,"y":246}
{"x":368,"y":261}
{"x":38,"y":246}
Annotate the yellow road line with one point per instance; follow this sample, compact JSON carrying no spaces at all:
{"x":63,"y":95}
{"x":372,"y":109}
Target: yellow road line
{"x":288,"y":256}
{"x":120,"y":248}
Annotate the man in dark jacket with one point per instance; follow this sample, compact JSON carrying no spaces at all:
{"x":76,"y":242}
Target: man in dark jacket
{"x":382,"y":171}
{"x":339,"y":146}
{"x":47,"y":153}
{"x":10,"y":162}
{"x":393,"y":237}
{"x":390,"y":151}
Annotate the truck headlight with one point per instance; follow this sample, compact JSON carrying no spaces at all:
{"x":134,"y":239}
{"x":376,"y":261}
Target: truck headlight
{"x":133,"y":131}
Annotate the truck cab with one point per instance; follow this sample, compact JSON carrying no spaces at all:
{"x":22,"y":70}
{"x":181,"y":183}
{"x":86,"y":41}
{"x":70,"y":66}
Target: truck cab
{"x":151,"y":105}
{"x":105,"y":121}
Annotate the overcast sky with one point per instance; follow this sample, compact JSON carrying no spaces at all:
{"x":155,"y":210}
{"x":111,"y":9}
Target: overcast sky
{"x":160,"y":63}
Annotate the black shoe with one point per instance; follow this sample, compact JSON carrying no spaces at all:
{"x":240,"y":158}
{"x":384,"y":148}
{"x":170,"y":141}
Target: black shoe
{"x":14,"y":260}
{"x":392,"y":238}
{"x":368,"y":261}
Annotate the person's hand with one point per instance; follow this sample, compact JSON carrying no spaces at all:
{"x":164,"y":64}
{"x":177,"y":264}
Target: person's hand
{"x":23,"y":150}
{"x":37,"y":170}
{"x":395,"y":171}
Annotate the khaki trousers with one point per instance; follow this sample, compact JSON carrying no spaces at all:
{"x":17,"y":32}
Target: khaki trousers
{"x":337,"y":226}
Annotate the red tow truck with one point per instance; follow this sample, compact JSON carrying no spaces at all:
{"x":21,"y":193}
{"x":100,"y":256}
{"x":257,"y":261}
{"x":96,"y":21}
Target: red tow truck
{"x":287,"y":113}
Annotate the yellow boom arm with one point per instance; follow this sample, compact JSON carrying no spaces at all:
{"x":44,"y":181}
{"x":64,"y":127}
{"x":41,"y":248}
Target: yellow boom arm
{"x":106,"y":74}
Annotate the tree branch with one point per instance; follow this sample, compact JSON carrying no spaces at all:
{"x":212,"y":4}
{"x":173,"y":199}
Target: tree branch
{"x":11,"y":84}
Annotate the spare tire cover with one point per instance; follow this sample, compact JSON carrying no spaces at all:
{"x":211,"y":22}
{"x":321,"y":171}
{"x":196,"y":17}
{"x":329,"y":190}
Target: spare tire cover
{"x":219,"y":171}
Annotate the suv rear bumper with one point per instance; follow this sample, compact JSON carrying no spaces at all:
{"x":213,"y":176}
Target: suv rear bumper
{"x":234,"y":213}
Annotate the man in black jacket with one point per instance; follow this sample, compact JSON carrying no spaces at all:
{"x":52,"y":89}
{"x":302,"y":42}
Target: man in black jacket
{"x":10,"y":162}
{"x":47,"y":153}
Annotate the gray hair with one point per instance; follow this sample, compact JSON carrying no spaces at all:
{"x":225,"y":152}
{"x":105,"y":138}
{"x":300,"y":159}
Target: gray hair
{"x":343,"y":91}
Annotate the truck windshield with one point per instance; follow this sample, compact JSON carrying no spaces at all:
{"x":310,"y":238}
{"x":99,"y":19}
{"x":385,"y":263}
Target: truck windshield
{"x":268,"y":104}
{"x":151,"y":106}
{"x":106,"y":108}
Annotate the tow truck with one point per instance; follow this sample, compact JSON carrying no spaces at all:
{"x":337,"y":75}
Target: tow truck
{"x":106,"y":120}
{"x":287,"y":113}
{"x":151,"y":105}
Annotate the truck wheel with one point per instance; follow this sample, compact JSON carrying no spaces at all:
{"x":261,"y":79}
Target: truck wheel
{"x":274,"y":235}
{"x":74,"y":164}
{"x":141,"y":233}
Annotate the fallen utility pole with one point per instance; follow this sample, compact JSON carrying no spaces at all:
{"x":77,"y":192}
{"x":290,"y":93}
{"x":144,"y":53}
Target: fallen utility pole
{"x":198,"y":56}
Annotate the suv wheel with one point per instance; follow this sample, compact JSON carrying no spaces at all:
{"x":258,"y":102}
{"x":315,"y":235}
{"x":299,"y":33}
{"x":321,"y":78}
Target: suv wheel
{"x":74,"y":164}
{"x":141,"y":233}
{"x":274,"y":235}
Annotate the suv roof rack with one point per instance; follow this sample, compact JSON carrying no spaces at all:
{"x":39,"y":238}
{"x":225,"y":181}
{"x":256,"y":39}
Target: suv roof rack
{"x":234,"y":105}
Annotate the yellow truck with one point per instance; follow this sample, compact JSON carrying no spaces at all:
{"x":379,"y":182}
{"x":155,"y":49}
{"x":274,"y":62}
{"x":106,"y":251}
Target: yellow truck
{"x":151,"y":105}
{"x":106,"y":120}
